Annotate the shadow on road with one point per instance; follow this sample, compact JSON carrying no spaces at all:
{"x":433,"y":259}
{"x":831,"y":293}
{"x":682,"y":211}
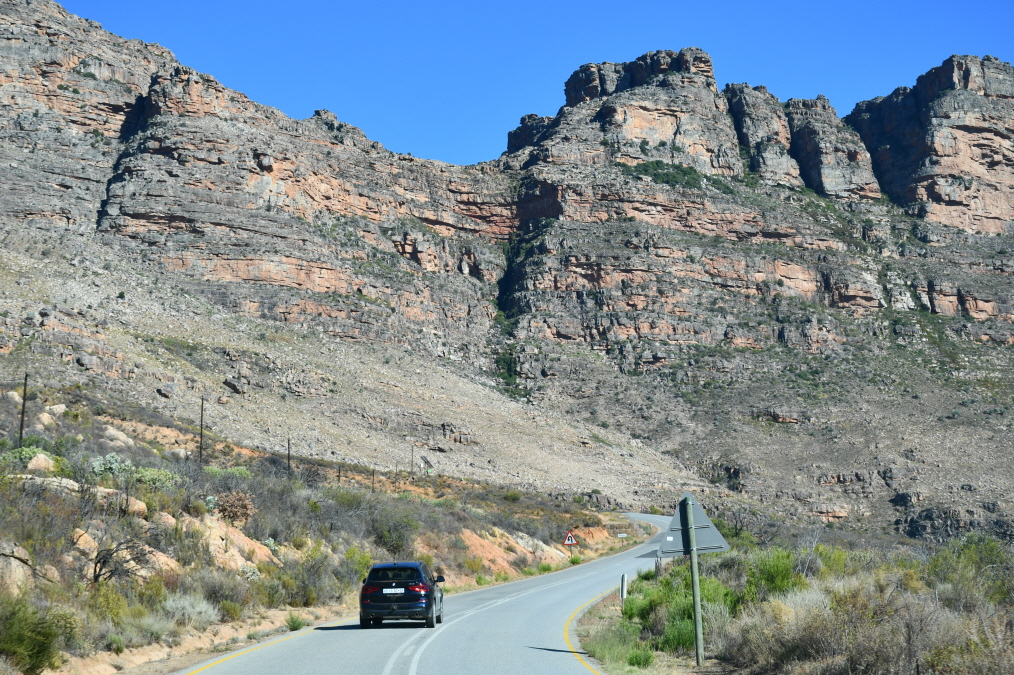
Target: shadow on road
{"x":559,"y":651}
{"x":386,"y":626}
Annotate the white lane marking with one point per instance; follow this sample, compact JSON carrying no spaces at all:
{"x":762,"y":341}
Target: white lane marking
{"x":413,"y":668}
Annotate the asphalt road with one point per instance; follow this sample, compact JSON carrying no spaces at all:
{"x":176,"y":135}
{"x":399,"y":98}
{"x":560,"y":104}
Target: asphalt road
{"x":521,"y":628}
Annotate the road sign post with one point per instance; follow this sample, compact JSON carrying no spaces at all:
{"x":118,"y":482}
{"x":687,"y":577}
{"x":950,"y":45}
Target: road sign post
{"x":691,"y":532}
{"x":623,"y":591}
{"x":570,"y":540}
{"x":695,"y":580}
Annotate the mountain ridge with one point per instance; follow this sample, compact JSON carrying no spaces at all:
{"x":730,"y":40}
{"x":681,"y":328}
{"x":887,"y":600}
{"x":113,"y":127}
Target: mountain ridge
{"x":712,"y":278}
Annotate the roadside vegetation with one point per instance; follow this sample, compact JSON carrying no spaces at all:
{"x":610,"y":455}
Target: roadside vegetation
{"x":821,"y":610}
{"x":111,"y":543}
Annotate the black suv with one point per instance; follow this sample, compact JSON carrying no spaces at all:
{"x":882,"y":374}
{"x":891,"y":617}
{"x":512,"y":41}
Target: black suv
{"x":401,"y":590}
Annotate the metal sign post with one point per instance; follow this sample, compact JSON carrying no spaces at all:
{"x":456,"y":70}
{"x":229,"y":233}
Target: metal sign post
{"x":695,"y":580}
{"x":200,"y":448}
{"x":24,"y":401}
{"x":691,"y":532}
{"x":623,"y":591}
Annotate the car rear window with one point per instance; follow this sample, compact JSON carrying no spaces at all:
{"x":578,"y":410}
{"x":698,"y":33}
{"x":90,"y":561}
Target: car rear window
{"x":395,"y":574}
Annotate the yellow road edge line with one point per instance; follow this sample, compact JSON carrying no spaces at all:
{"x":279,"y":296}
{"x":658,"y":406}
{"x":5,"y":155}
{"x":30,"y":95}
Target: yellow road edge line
{"x":566,"y":631}
{"x":268,"y":644}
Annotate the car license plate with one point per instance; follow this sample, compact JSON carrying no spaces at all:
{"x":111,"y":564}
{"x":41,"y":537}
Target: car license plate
{"x":394,"y":591}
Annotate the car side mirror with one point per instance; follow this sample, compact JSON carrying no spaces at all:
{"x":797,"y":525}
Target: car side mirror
{"x":364,"y":582}
{"x":440,"y":579}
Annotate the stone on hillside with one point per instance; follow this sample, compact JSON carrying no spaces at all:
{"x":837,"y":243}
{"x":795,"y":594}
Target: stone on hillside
{"x":56,"y":410}
{"x":41,"y":463}
{"x":166,"y":391}
{"x":84,"y":543}
{"x":163,"y":519}
{"x":46,"y":420}
{"x":236,"y":384}
{"x":15,"y":568}
{"x":116,"y":436}
{"x":13,"y":396}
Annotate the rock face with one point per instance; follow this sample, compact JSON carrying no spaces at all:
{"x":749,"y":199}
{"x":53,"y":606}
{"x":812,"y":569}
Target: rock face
{"x":831,"y":157}
{"x":944,"y":145}
{"x":664,"y":105}
{"x":763,"y":129}
{"x":645,"y":261}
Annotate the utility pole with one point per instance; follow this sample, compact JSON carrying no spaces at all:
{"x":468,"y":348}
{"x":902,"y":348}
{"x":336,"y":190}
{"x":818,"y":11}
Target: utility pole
{"x":411,"y":467}
{"x":24,"y":401}
{"x":695,"y":581}
{"x":373,"y":486}
{"x":339,"y":475}
{"x":200,"y":448}
{"x":288,"y":456}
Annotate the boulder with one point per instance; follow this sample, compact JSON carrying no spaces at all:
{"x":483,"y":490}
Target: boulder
{"x":163,"y":519}
{"x":56,"y":410}
{"x":13,"y":396}
{"x":116,"y":436}
{"x":46,"y":420}
{"x":15,"y":568}
{"x":84,"y":543}
{"x":42,"y":463}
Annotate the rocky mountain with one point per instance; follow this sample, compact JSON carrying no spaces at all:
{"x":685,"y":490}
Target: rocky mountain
{"x":666,"y":284}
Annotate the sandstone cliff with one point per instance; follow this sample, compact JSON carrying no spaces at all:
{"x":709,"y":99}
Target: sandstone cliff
{"x":945,"y":144}
{"x":699,"y":278}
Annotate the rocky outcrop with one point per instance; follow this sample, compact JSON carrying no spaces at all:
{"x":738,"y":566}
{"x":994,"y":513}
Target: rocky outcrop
{"x":944,"y":145}
{"x":16,"y":572}
{"x":664,"y":105}
{"x":832,"y":158}
{"x":763,"y":129}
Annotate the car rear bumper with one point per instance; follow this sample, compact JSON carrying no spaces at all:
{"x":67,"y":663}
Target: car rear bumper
{"x":408,"y":610}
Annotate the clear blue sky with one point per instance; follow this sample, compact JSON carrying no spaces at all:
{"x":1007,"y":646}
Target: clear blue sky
{"x":447,"y":80}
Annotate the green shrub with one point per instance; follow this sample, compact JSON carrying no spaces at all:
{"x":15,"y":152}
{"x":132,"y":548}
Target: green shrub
{"x":27,"y":638}
{"x":356,"y":565}
{"x":190,"y":611}
{"x":575,"y":560}
{"x":105,"y":600}
{"x":666,"y":174}
{"x":20,"y":457}
{"x":159,"y":480}
{"x":641,"y":658}
{"x":294,"y":622}
{"x":115,"y":644}
{"x":481,"y":580}
{"x":678,"y":636}
{"x":112,"y":465}
{"x":501,"y":577}
{"x":544,"y":567}
{"x":612,"y":642}
{"x":473,"y":564}
{"x":231,"y":610}
{"x":393,"y":527}
{"x":511,"y":496}
{"x":772,"y":571}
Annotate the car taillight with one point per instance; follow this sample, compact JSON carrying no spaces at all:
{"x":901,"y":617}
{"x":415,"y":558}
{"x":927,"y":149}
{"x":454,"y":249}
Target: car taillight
{"x":419,"y":588}
{"x":370,"y":589}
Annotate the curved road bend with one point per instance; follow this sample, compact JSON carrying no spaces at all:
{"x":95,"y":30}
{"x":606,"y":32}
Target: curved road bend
{"x":520,"y":628}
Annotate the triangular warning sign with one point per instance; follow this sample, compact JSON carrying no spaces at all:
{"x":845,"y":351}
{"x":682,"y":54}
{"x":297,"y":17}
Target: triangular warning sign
{"x":571,"y":540}
{"x":676,"y":540}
